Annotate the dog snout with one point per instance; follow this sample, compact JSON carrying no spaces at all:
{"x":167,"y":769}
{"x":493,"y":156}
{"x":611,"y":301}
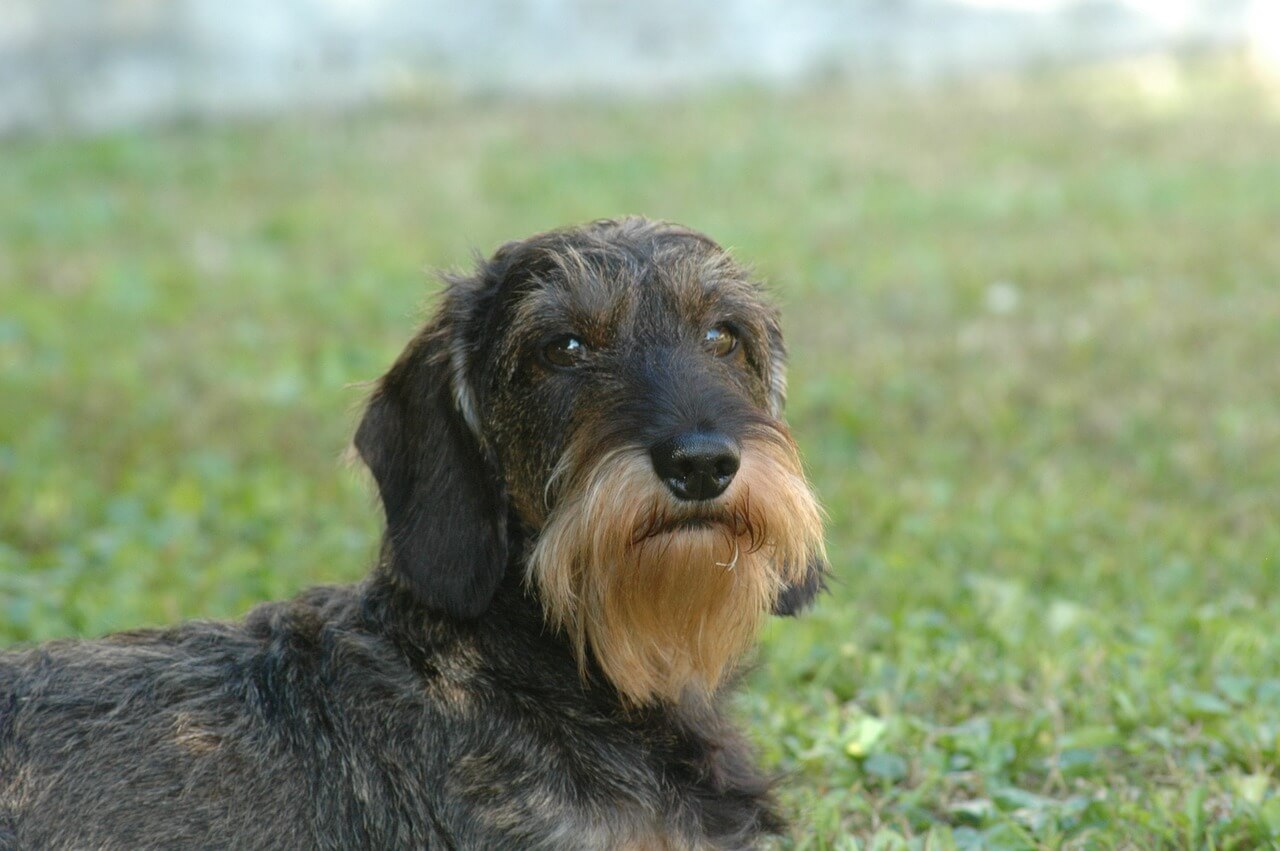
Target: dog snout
{"x":696,"y":465}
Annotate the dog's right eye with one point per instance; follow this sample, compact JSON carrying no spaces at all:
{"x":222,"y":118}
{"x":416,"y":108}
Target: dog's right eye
{"x":564,"y":352}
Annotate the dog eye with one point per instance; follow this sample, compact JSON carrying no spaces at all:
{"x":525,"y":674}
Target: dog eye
{"x":720,"y":341}
{"x":564,"y":351}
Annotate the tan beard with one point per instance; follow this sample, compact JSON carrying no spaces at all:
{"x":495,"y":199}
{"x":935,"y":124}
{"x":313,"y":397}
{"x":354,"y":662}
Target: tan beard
{"x":668,"y":596}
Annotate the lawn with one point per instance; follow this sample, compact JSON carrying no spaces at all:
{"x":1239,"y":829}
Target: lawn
{"x":1035,"y":331}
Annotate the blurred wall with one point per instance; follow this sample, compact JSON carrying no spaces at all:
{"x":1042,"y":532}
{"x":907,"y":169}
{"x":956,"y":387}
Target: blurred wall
{"x":103,"y":63}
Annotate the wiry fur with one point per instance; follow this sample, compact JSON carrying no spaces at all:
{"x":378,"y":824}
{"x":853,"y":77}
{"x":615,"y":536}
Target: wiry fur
{"x":536,"y":662}
{"x":667,"y":597}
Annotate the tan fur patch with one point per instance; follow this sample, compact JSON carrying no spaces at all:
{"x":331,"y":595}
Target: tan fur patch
{"x":193,"y":737}
{"x":456,"y":672}
{"x":666,"y":595}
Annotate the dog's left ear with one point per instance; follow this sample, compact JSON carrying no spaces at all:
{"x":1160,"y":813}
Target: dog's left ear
{"x":795,"y":597}
{"x":446,"y":510}
{"x":777,"y":365}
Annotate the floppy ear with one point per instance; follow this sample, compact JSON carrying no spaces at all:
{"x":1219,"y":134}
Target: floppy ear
{"x":777,"y":366}
{"x":446,"y":536}
{"x":795,"y":597}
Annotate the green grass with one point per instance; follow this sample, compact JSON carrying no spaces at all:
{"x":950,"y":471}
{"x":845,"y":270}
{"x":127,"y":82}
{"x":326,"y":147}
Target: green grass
{"x":1036,"y":376}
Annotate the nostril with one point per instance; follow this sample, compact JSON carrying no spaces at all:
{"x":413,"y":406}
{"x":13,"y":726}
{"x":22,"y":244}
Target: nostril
{"x":726,"y":465}
{"x":696,"y":465}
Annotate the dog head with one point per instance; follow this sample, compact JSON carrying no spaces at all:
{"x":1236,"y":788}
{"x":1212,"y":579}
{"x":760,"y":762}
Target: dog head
{"x":600,"y":407}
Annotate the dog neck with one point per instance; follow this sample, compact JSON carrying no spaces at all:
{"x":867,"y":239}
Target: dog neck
{"x":513,"y":628}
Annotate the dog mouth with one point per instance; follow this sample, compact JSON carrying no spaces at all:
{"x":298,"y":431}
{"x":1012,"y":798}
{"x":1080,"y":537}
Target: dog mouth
{"x":659,"y":527}
{"x":734,"y":525}
{"x":680,"y":526}
{"x":690,"y":524}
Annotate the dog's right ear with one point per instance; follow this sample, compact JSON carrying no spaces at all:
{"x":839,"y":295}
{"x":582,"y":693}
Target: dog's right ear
{"x":446,"y":536}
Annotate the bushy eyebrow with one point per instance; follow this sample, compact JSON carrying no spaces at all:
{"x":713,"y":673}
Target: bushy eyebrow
{"x":593,"y":310}
{"x":596,"y":296}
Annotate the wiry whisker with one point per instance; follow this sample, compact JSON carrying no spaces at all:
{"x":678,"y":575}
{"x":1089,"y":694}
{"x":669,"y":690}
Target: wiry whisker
{"x":559,"y":473}
{"x":733,"y":562}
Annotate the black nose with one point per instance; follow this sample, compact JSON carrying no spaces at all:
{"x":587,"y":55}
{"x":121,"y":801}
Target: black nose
{"x":696,"y":464}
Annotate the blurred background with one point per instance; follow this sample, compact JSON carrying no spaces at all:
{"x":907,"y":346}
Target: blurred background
{"x":110,"y":63}
{"x":1029,"y":258}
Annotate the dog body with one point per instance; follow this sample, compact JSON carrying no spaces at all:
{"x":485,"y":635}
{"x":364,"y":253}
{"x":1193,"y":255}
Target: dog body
{"x":591,"y":505}
{"x":353,"y":718}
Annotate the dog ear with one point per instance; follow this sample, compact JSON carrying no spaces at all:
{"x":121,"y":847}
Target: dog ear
{"x":446,"y":536}
{"x":795,"y":597}
{"x":777,"y":376}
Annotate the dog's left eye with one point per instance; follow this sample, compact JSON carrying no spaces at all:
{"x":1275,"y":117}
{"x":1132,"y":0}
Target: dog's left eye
{"x":564,"y":351}
{"x":720,"y":341}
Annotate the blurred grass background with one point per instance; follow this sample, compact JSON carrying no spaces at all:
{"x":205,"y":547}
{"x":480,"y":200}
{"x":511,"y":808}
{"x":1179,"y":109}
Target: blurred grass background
{"x":1036,"y":376}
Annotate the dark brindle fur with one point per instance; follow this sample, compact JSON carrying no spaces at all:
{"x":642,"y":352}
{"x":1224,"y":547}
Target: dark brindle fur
{"x":537,"y":660}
